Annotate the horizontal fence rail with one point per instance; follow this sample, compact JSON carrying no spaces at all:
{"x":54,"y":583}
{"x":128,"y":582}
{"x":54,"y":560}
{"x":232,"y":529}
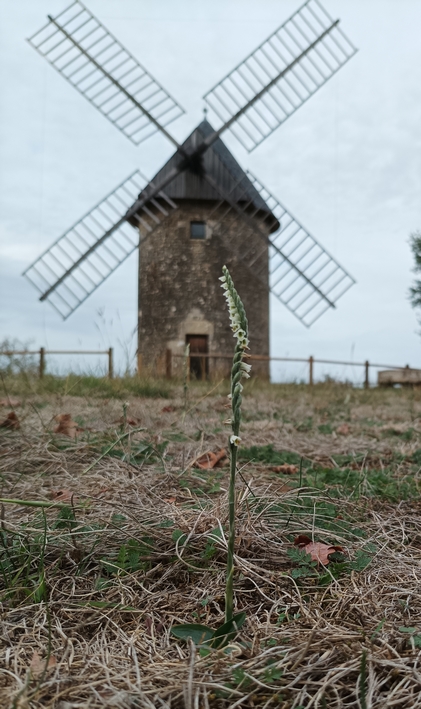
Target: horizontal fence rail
{"x":170,"y":356}
{"x":266,"y":358}
{"x":42,"y":352}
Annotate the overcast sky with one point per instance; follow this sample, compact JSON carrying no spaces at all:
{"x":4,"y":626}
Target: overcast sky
{"x":347,"y":165}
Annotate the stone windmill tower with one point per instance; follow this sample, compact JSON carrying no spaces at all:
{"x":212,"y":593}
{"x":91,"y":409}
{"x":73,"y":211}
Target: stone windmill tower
{"x":201,"y":210}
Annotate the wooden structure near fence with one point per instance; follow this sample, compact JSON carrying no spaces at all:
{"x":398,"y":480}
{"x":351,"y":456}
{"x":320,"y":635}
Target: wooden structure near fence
{"x":42,"y":353}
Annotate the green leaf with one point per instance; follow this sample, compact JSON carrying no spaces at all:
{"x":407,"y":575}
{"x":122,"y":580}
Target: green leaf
{"x":302,"y":572}
{"x":198,"y":633}
{"x":404,"y":629}
{"x":177,"y":535}
{"x":228,"y":630}
{"x":361,"y":561}
{"x":417,"y":640}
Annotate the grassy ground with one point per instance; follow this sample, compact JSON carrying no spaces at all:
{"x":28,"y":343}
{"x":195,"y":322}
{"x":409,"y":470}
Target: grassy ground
{"x":132,"y":541}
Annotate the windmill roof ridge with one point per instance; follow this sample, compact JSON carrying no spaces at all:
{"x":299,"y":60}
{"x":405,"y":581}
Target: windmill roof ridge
{"x":219,"y":162}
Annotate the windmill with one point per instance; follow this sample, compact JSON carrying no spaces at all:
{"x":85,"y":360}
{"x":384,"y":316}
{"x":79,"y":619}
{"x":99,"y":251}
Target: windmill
{"x":201,"y":209}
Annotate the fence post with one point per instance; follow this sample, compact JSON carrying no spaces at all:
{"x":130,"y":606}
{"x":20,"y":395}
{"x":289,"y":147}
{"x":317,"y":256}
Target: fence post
{"x":110,"y":364}
{"x":310,"y":377}
{"x":168,"y":363}
{"x":41,"y":362}
{"x":366,"y":378}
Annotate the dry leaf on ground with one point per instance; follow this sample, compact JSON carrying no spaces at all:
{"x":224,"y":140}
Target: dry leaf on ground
{"x":168,"y":409}
{"x":209,"y":460}
{"x":285,"y":468}
{"x":11,"y":421}
{"x":344,"y":429}
{"x":66,"y":426}
{"x":9,"y":401}
{"x":63,"y":496}
{"x":38,"y":664}
{"x":318,"y":551}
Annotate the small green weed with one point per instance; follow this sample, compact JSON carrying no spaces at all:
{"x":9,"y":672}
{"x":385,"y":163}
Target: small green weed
{"x":305,"y":425}
{"x":414,"y":633}
{"x":267,"y":454}
{"x":133,"y":556}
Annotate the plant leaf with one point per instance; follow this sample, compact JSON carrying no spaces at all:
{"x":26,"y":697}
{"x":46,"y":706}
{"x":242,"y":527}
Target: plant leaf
{"x":228,"y":630}
{"x":198,"y":633}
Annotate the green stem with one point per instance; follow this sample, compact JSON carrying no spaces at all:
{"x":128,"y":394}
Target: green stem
{"x":30,"y":503}
{"x":229,"y":588}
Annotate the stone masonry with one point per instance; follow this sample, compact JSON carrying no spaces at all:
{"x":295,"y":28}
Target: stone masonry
{"x":180,"y":294}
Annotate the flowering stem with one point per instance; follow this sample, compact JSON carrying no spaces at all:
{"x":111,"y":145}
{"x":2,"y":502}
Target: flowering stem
{"x":229,"y":586}
{"x":239,"y":370}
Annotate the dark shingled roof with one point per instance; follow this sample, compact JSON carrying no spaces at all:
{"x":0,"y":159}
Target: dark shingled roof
{"x":217,"y":161}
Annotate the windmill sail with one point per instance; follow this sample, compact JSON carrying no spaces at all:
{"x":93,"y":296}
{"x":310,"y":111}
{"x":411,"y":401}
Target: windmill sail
{"x":280,"y":75}
{"x":101,"y":69}
{"x":87,"y":253}
{"x":302,"y":274}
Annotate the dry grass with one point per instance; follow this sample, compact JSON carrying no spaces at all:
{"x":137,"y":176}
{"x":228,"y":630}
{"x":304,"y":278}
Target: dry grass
{"x":93,"y":588}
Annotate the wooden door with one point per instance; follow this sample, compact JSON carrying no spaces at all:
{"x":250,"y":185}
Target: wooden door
{"x":199,"y":366}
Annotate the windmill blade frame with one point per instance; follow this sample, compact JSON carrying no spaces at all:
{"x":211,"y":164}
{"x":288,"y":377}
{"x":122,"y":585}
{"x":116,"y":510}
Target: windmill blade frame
{"x":302,"y":275}
{"x":82,"y":258}
{"x":278,"y":77}
{"x":82,"y":50}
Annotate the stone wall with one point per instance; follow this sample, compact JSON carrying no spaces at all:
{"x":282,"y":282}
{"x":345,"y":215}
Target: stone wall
{"x":180,"y":294}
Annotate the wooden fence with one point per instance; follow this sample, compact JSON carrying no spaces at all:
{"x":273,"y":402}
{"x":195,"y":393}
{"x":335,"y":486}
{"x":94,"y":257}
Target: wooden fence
{"x":169,"y":357}
{"x":42,"y":353}
{"x":311,"y":361}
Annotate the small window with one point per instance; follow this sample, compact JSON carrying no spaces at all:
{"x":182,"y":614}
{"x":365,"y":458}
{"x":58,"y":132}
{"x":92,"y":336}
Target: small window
{"x":197,"y":230}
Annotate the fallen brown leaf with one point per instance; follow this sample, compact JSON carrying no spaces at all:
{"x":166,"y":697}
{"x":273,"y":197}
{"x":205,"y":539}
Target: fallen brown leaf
{"x":285,"y":468}
{"x":9,"y":401}
{"x":344,"y":429}
{"x":318,"y":551}
{"x":38,"y":664}
{"x":170,"y":500}
{"x":11,"y":421}
{"x":209,"y":460}
{"x":168,"y":409}
{"x":66,"y":426}
{"x":63,"y":496}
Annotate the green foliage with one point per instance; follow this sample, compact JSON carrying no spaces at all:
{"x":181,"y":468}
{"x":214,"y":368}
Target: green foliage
{"x":132,"y":556}
{"x":415,"y":637}
{"x":346,"y":482}
{"x":325,"y":428}
{"x":338,"y":566}
{"x":138,"y":452}
{"x":22,"y":567}
{"x":211,"y":548}
{"x":305,"y":425}
{"x":267,"y":454}
{"x":202,"y":482}
{"x":306,"y":567}
{"x":415,"y":290}
{"x":416,"y":457}
{"x":206,"y":637}
{"x":22,"y":378}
